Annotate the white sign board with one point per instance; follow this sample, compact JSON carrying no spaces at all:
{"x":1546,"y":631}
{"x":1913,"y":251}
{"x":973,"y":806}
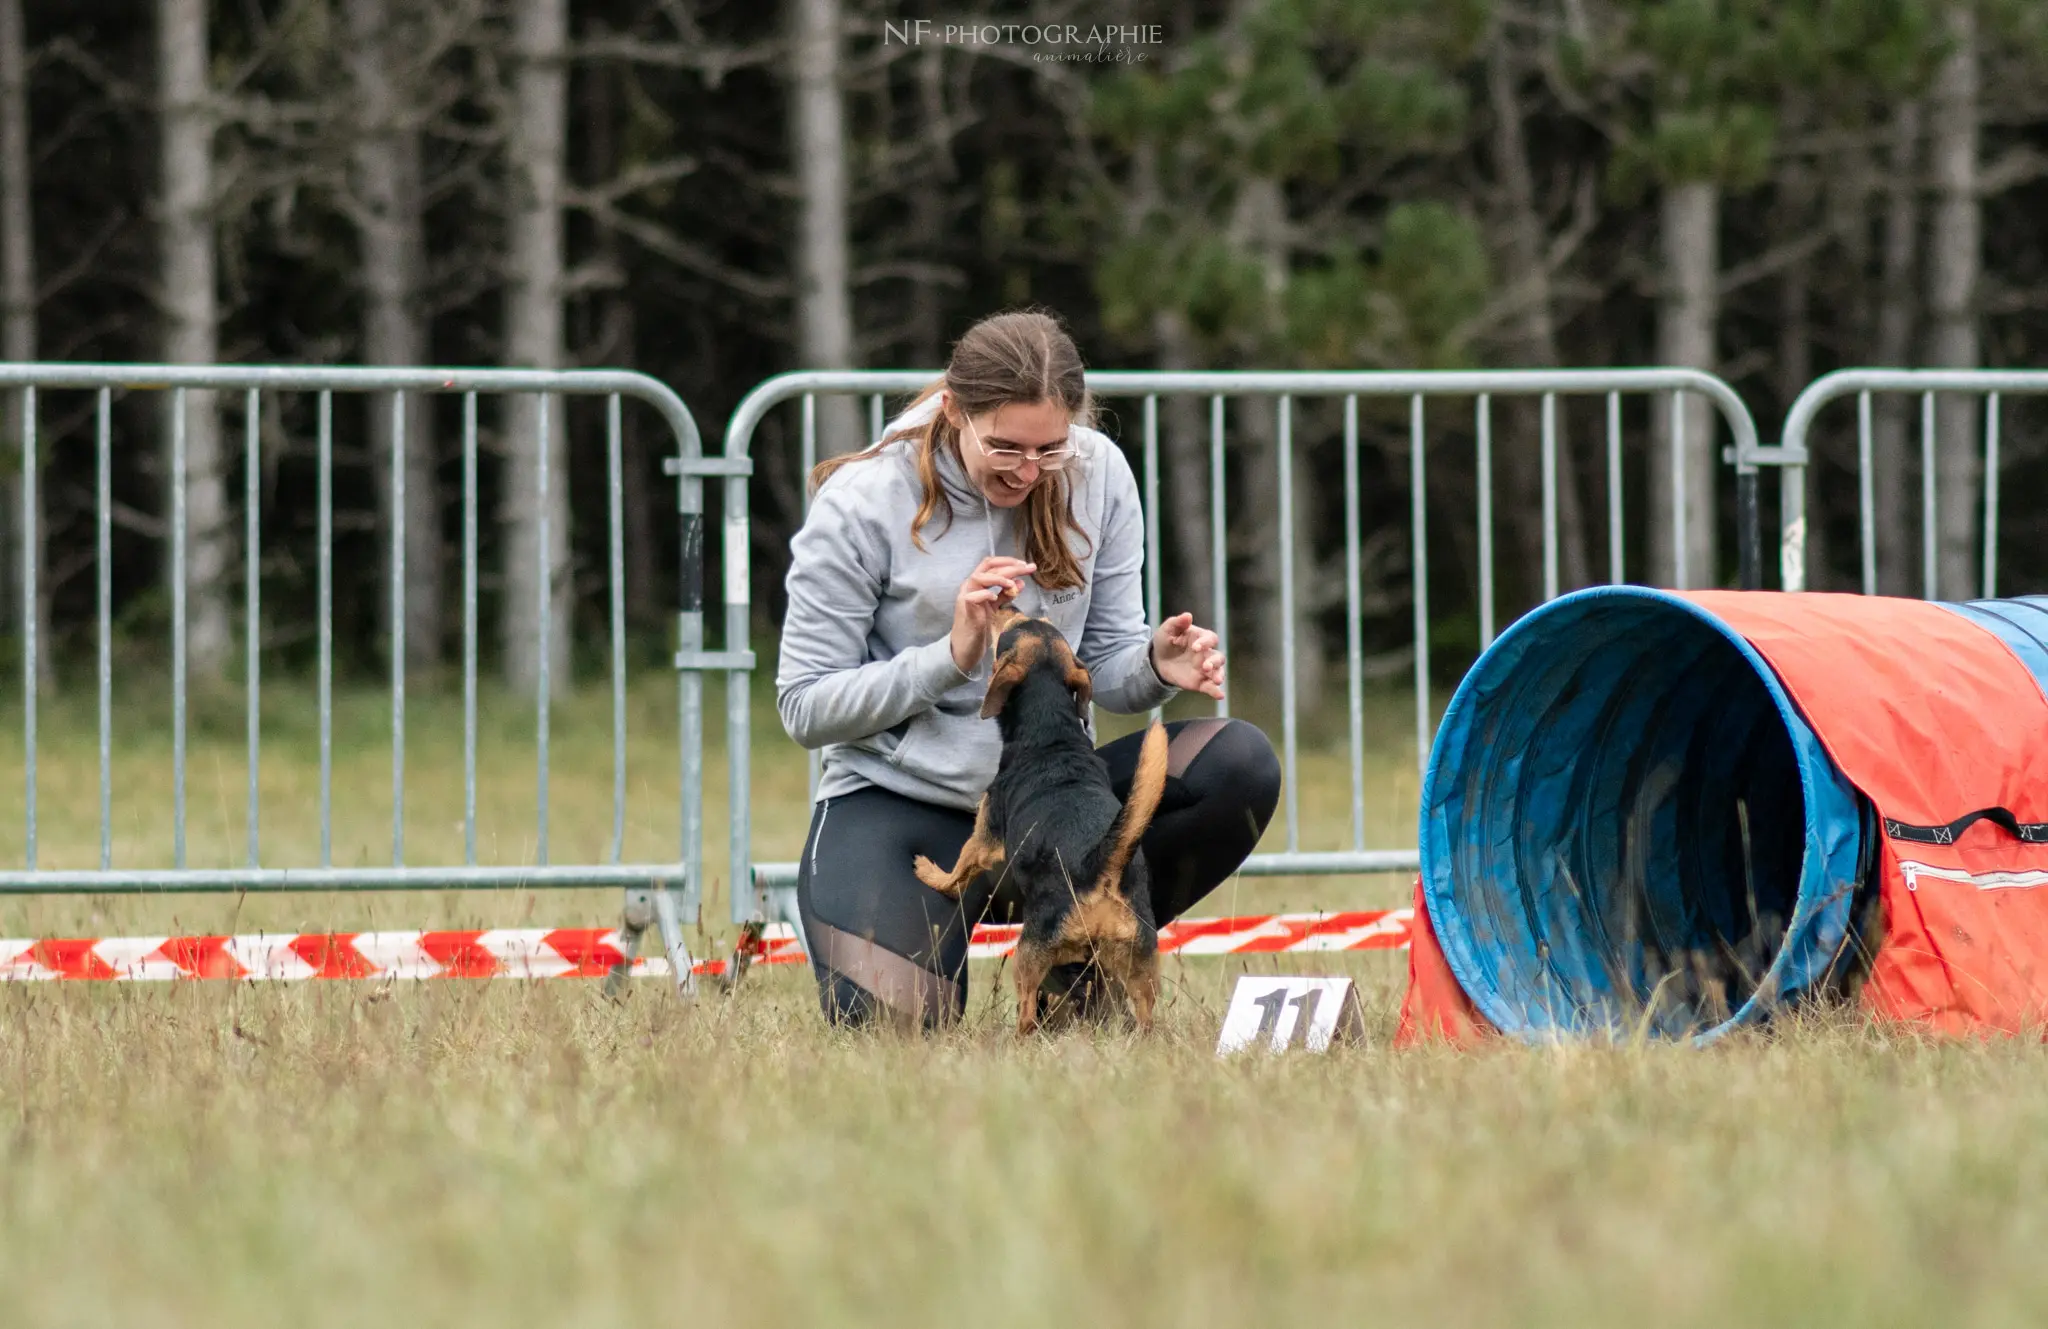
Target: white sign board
{"x":1280,"y":1013}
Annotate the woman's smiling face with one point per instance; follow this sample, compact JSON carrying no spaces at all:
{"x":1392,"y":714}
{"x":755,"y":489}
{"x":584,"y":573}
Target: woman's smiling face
{"x":1027,"y":427}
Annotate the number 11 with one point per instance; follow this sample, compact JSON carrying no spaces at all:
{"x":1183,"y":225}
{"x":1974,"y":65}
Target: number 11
{"x":1276,"y":1001}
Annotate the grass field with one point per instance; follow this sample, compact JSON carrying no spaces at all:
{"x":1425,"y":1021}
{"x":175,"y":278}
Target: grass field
{"x":525,"y":1153}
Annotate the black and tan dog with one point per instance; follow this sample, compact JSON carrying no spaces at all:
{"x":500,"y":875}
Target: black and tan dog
{"x":1051,"y":815}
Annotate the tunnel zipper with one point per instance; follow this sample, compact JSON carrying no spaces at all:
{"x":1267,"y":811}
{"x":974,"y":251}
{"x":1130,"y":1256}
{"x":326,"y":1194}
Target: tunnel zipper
{"x":1983,"y":881}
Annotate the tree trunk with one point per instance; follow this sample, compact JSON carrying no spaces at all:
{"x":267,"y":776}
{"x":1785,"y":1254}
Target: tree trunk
{"x":392,"y":235}
{"x":1849,"y":189}
{"x":1687,"y":312}
{"x":534,"y":338}
{"x":18,"y":325}
{"x":192,"y":321}
{"x":1184,"y":463}
{"x":824,"y":301}
{"x":644,"y":485}
{"x":617,"y":343}
{"x":1258,"y":227}
{"x":1183,"y":429}
{"x":1892,"y":506}
{"x":1954,"y":258}
{"x":932,"y":211}
{"x":17,"y":250}
{"x":1797,"y":198}
{"x":1531,"y":343}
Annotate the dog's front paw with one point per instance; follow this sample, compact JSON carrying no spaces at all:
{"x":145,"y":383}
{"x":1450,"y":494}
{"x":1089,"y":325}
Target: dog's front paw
{"x":932,"y":875}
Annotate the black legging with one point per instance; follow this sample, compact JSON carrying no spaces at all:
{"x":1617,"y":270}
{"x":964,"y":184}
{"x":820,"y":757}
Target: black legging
{"x":881,"y":938}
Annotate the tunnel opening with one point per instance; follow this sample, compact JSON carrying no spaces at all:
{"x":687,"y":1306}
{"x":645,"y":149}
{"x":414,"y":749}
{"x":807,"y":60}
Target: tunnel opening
{"x":1628,"y":827}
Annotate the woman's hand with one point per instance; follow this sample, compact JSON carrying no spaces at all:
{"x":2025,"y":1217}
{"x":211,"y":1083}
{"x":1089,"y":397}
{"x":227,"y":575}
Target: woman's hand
{"x":994,"y":583}
{"x":1186,"y":656}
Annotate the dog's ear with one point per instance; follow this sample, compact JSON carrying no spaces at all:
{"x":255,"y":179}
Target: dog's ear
{"x":1011,"y":666}
{"x":1009,"y":673}
{"x":1077,"y":678}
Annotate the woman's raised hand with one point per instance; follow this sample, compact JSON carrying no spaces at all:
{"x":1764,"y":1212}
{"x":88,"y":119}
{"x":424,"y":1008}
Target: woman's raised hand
{"x":1187,"y":656}
{"x":994,"y":582}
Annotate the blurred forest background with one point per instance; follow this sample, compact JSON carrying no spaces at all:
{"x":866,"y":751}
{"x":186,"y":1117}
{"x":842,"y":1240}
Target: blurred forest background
{"x":713,"y":192}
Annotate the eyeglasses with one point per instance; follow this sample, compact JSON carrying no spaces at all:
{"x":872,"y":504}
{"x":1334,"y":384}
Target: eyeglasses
{"x":1012,"y":459}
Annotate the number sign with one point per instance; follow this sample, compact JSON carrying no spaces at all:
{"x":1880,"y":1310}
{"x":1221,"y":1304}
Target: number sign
{"x":1280,"y":1013}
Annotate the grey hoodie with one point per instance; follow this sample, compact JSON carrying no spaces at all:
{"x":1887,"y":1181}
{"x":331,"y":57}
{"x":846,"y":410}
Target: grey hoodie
{"x":867,"y":668}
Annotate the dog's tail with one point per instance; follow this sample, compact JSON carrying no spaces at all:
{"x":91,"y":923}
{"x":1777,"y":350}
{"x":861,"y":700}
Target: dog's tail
{"x":1114,"y":854}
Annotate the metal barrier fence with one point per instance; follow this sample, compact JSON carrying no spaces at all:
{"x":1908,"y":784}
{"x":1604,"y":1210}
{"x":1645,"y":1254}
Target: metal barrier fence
{"x":662,"y":893}
{"x":666,"y":893}
{"x":775,"y":881}
{"x":1794,"y":454}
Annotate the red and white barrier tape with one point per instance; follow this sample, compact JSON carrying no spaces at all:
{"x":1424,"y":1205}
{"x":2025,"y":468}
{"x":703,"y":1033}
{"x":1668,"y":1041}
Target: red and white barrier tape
{"x":588,"y":952}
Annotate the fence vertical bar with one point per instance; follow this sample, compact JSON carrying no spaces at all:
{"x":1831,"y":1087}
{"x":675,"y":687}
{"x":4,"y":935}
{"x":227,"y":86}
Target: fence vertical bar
{"x":252,"y":605}
{"x":178,"y":627}
{"x":1616,"y":546}
{"x":616,"y":487}
{"x":1482,"y":421}
{"x":1219,"y":547}
{"x":690,"y":708}
{"x":1354,"y":640}
{"x":1792,"y":519}
{"x":1152,"y":519}
{"x":1419,"y":522}
{"x":1678,"y":544}
{"x":397,"y":629}
{"x":1749,"y":535}
{"x":875,"y":417}
{"x":1866,"y":495}
{"x":1991,"y":497}
{"x":326,"y":596}
{"x":807,"y":446}
{"x":1930,"y":573}
{"x":1285,"y":535}
{"x":469,"y":627}
{"x":104,"y":503}
{"x":29,"y":595}
{"x":545,"y":612}
{"x":1550,"y":579}
{"x":738,"y":699}
{"x":1151,"y":460}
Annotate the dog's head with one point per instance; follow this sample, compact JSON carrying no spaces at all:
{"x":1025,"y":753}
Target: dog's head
{"x":1024,"y":644}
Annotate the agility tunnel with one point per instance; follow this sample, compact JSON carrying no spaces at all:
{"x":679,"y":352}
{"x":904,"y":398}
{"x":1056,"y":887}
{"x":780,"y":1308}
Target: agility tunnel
{"x":1675,"y":814}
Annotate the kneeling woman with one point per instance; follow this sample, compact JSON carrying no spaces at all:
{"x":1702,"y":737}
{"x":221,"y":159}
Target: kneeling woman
{"x":992,"y":489}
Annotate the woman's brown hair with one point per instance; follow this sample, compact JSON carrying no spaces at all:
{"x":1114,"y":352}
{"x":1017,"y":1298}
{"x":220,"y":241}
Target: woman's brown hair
{"x":1017,"y":358}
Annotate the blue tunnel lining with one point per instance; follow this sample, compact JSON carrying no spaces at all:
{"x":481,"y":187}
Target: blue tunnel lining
{"x":2021,"y":624}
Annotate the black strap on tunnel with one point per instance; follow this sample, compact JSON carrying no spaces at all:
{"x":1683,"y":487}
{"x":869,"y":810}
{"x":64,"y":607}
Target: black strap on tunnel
{"x":2029,"y":832}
